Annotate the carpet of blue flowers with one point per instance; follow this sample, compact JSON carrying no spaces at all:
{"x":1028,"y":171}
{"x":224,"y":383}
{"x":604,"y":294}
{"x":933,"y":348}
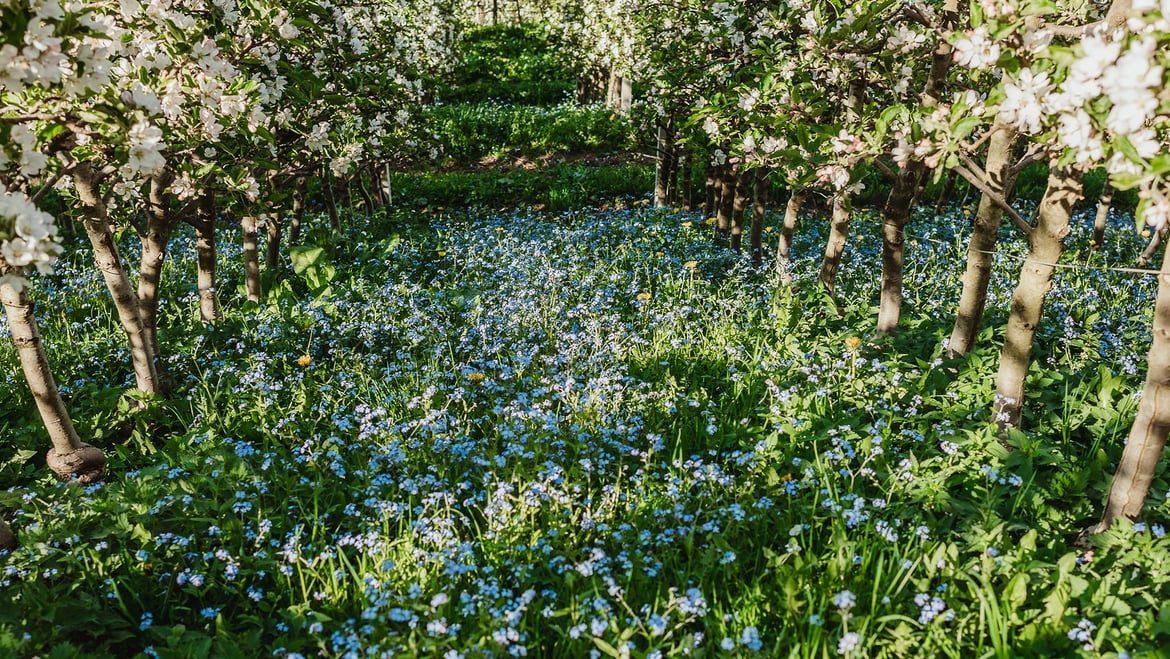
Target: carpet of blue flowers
{"x":586,"y":433}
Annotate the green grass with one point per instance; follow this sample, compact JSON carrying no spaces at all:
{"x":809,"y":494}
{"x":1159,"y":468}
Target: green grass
{"x":578,"y":431}
{"x":556,"y":187}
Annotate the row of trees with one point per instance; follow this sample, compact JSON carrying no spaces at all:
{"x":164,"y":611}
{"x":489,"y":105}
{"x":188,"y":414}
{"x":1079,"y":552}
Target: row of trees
{"x":150,"y":114}
{"x":819,"y":93}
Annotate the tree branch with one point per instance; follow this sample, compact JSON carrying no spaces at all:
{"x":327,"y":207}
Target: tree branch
{"x":979,"y":180}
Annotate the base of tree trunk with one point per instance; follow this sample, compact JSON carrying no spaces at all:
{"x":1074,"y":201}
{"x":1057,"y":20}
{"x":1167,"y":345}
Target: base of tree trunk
{"x":86,"y":464}
{"x":7,"y":538}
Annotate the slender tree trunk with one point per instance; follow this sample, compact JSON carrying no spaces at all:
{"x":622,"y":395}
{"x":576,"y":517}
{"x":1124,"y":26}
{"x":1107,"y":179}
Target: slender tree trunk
{"x":1147,"y":436}
{"x":759,"y":214}
{"x":1143,"y":259}
{"x":726,"y":203}
{"x":1102,"y":218}
{"x":672,"y":175}
{"x":948,"y":189}
{"x":251,"y":257}
{"x":109,"y":263}
{"x":973,"y":299}
{"x":205,"y":259}
{"x":662,"y":167}
{"x":69,"y":457}
{"x":895,"y":216}
{"x":835,"y":248}
{"x":900,"y":203}
{"x":331,"y":200}
{"x":686,"y":187}
{"x":160,"y":224}
{"x":711,"y":189}
{"x":298,"y":211}
{"x":7,"y":539}
{"x":784,"y":252}
{"x":626,"y":99}
{"x":738,"y":208}
{"x":1047,"y":245}
{"x":363,"y":191}
{"x":272,"y":247}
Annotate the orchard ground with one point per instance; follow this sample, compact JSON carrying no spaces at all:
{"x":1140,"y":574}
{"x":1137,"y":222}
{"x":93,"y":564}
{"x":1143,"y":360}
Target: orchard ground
{"x":586,"y":432}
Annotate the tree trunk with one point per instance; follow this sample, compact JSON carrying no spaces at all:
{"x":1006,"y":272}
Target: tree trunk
{"x":626,"y":99}
{"x":784,"y":252}
{"x":738,"y":208}
{"x":895,"y":216}
{"x":331,"y":200}
{"x":759,"y":212}
{"x":205,"y":258}
{"x":272,"y":247}
{"x":1047,"y":244}
{"x":1102,"y":218}
{"x":7,"y":539}
{"x":613,"y":95}
{"x":251,"y":257}
{"x":1143,"y":259}
{"x":726,"y":202}
{"x":835,"y":248}
{"x":363,"y":191}
{"x":711,"y":178}
{"x":69,"y":457}
{"x":298,"y":211}
{"x":160,"y":224}
{"x":1147,"y":436}
{"x":662,"y":168}
{"x":973,"y":298}
{"x":948,"y":189}
{"x":686,"y":187}
{"x":109,"y":263}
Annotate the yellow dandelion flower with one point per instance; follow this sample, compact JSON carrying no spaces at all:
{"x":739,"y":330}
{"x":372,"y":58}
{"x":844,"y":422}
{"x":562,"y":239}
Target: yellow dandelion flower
{"x":304,"y":360}
{"x":476,"y":378}
{"x":643,"y":296}
{"x":853,"y":343}
{"x":1145,"y":233}
{"x":691,"y":265}
{"x":660,"y":254}
{"x":442,"y":252}
{"x":709,"y":221}
{"x":688,"y":224}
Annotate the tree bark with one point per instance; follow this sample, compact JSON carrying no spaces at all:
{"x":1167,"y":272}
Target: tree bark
{"x":711,"y":188}
{"x":205,"y":258}
{"x":1147,"y":435}
{"x":1102,"y":218}
{"x":981,"y":249}
{"x":726,"y":203}
{"x":663,"y":166}
{"x":7,"y":539}
{"x":331,"y":200}
{"x":896,"y":214}
{"x":738,"y":209}
{"x":160,"y":224}
{"x":1143,"y":259}
{"x":759,"y":214}
{"x":298,"y":211}
{"x":274,"y":229}
{"x":110,"y":264}
{"x":835,"y":248}
{"x":251,"y":257}
{"x":68,"y":457}
{"x":784,"y":252}
{"x":1047,"y":245}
